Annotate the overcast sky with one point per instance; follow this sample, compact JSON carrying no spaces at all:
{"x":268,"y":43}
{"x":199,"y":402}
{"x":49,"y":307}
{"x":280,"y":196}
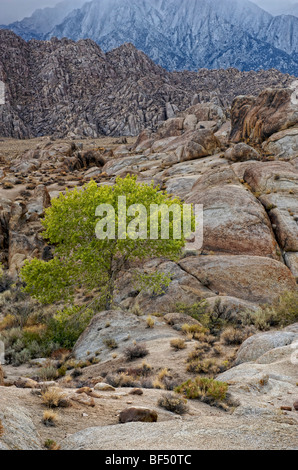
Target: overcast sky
{"x":13,"y":10}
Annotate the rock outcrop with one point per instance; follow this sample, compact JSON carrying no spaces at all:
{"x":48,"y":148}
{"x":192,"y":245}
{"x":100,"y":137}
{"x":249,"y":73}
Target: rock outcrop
{"x":73,"y":89}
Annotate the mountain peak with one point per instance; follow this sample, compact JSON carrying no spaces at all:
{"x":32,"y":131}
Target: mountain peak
{"x":181,"y":34}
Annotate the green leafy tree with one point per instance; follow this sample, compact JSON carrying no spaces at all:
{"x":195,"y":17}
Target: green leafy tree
{"x":81,"y":259}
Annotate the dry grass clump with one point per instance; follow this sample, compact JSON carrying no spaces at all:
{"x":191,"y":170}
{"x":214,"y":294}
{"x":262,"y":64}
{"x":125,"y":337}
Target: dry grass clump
{"x":110,"y":343}
{"x":48,"y":372}
{"x":233,"y":336}
{"x":207,"y":390}
{"x":51,"y":445}
{"x":178,"y":344}
{"x":173,"y":403}
{"x":54,"y":398}
{"x":194,"y":330}
{"x":207,"y":366}
{"x":136,"y":351}
{"x":50,"y":418}
{"x":150,"y":322}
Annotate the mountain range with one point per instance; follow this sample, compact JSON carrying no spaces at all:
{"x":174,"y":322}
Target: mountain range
{"x":63,"y":87}
{"x":177,"y":35}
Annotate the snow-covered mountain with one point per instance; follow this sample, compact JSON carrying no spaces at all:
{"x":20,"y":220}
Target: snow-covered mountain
{"x":183,"y":34}
{"x":43,"y":20}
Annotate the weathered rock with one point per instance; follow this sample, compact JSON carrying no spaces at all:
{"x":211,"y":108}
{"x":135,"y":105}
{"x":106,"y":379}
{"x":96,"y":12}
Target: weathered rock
{"x":251,"y":278}
{"x":234,"y":221}
{"x":266,"y":177}
{"x":291,"y":260}
{"x":242,"y":153}
{"x":20,"y":432}
{"x":103,"y":387}
{"x":143,"y":415}
{"x":283,"y":144}
{"x":123,"y":93}
{"x":24,"y":382}
{"x":257,"y":345}
{"x":179,"y":319}
{"x":257,"y":119}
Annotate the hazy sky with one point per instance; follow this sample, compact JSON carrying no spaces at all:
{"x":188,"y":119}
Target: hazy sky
{"x":13,"y":10}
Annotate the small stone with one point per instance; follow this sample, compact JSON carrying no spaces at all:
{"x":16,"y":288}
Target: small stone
{"x":23,"y":382}
{"x":136,"y":391}
{"x":143,"y":415}
{"x":295,"y":405}
{"x":286,"y":408}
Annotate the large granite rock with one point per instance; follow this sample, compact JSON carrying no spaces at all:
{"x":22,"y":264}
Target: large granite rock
{"x":251,"y":278}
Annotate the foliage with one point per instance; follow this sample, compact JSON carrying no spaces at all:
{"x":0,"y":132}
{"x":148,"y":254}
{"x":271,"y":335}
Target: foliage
{"x":23,"y":345}
{"x":196,"y":310}
{"x":81,"y":260}
{"x":173,"y":403}
{"x":282,"y":312}
{"x":204,"y":389}
{"x":67,"y":325}
{"x":178,"y":344}
{"x":155,"y":283}
{"x":136,"y":351}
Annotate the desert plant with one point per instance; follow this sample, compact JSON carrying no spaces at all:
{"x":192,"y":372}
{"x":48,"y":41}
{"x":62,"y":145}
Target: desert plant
{"x":178,"y":344}
{"x":54,"y":398}
{"x":194,"y":330}
{"x":196,"y":310}
{"x":67,"y":325}
{"x":50,"y":418}
{"x":204,"y":389}
{"x":173,"y":403}
{"x":110,"y":343}
{"x":233,"y":336}
{"x":48,"y":372}
{"x":136,"y":351}
{"x":51,"y":445}
{"x":150,"y":322}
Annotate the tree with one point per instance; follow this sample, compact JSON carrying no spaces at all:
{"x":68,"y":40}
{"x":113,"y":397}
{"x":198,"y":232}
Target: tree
{"x":82,"y":260}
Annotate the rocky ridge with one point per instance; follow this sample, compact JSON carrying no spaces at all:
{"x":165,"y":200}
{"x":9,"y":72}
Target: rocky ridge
{"x":232,"y":33}
{"x":74,"y":90}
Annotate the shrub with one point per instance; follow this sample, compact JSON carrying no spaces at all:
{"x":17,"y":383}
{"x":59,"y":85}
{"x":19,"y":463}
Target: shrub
{"x":122,"y":380}
{"x":178,"y":344}
{"x":50,"y":418}
{"x":23,"y":345}
{"x":48,"y":372}
{"x":51,"y":445}
{"x":207,"y":366}
{"x":67,"y":325}
{"x":136,"y":351}
{"x":282,"y":312}
{"x":194,"y":330}
{"x":173,"y":403}
{"x":204,"y":389}
{"x":196,"y":310}
{"x":54,"y":398}
{"x":233,"y":336}
{"x":110,"y":343}
{"x":150,"y":322}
